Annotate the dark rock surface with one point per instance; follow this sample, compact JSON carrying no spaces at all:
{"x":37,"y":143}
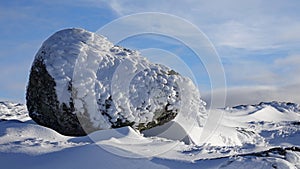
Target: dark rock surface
{"x":43,"y":106}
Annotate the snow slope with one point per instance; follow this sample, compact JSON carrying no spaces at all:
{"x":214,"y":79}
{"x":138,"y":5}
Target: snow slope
{"x":258,"y":136}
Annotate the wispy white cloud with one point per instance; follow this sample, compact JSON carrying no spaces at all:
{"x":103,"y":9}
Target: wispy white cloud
{"x":293,"y":60}
{"x":257,"y":28}
{"x":256,"y":94}
{"x":288,"y":68}
{"x":278,"y":71}
{"x":235,"y":34}
{"x":241,"y":72}
{"x":253,"y":25}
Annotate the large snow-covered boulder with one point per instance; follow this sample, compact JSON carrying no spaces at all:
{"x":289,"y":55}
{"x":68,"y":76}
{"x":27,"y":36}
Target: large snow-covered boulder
{"x":80,"y":82}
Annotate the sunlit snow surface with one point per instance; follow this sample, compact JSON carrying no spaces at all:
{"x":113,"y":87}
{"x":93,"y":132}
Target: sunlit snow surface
{"x":260,"y":136}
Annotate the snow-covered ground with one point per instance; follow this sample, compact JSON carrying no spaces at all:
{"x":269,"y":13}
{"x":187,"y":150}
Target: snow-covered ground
{"x":266,"y":135}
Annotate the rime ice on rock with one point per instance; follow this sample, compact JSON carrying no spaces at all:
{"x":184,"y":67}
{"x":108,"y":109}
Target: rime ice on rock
{"x":80,"y":82}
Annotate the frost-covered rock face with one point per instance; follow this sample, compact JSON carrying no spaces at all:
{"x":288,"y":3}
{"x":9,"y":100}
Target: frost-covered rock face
{"x":80,"y":82}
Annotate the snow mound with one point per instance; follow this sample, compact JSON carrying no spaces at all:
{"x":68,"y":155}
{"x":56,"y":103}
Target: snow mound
{"x":10,"y":111}
{"x":30,"y":138}
{"x":269,"y":113}
{"x":240,"y":141}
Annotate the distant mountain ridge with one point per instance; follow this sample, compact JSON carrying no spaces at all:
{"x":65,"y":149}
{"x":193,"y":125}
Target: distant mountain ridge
{"x":281,"y":106}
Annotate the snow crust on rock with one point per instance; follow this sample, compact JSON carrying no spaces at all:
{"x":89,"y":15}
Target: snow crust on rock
{"x":102,"y":74}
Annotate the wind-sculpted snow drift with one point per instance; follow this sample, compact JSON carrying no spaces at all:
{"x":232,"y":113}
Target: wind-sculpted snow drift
{"x":245,"y":138}
{"x":80,"y":82}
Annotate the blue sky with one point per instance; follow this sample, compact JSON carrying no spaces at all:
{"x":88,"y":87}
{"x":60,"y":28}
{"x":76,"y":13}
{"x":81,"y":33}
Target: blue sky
{"x":257,"y":40}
